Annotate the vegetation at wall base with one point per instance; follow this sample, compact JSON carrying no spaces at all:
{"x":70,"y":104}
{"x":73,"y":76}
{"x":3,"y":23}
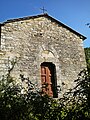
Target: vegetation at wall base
{"x":17,"y":103}
{"x":87,"y":54}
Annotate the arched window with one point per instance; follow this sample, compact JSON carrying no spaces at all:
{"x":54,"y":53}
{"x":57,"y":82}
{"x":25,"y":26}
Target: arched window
{"x":48,"y":79}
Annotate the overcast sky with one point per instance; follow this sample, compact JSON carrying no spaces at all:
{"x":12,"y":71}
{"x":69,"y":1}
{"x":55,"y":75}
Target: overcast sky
{"x":73,"y":13}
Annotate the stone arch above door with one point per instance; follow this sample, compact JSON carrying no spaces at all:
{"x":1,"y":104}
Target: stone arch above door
{"x":46,"y":54}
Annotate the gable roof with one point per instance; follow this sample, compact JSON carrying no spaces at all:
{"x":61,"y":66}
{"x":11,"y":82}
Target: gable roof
{"x":47,"y":16}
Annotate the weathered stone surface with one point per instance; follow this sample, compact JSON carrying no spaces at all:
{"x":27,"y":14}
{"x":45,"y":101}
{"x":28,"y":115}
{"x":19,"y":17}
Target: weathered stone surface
{"x":37,"y":40}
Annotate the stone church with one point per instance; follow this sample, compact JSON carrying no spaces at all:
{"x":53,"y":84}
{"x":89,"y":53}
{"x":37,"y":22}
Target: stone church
{"x":46,"y":50}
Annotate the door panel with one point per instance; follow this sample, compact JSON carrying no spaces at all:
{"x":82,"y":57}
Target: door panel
{"x":46,"y":80}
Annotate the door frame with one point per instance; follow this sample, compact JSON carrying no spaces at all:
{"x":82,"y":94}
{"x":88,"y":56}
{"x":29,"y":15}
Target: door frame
{"x":52,"y":69}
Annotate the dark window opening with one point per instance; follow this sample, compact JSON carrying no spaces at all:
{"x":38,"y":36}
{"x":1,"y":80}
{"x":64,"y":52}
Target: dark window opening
{"x":48,"y":79}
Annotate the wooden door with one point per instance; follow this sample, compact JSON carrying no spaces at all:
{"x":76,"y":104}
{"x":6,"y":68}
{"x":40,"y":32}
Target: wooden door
{"x":46,"y":80}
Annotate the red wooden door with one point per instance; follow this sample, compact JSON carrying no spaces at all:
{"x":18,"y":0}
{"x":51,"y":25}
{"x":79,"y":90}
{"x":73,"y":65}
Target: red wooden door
{"x":46,"y":80}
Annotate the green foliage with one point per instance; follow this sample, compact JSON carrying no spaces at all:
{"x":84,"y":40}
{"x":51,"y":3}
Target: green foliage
{"x":87,"y":54}
{"x":31,"y":105}
{"x":10,"y":100}
{"x":78,"y":99}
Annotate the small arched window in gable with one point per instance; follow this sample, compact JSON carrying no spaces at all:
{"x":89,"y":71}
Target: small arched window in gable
{"x":48,"y":79}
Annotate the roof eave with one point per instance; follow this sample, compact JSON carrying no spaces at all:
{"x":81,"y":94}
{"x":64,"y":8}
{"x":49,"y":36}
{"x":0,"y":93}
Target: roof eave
{"x":77,"y":33}
{"x":48,"y":16}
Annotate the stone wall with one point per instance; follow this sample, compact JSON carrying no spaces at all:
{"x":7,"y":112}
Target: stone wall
{"x":37,"y":40}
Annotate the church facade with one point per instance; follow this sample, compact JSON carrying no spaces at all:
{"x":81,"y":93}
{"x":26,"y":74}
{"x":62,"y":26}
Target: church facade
{"x":45,"y":50}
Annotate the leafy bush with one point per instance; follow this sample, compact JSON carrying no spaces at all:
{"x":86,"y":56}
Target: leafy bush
{"x":77,"y":101}
{"x":31,"y":105}
{"x":87,"y":54}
